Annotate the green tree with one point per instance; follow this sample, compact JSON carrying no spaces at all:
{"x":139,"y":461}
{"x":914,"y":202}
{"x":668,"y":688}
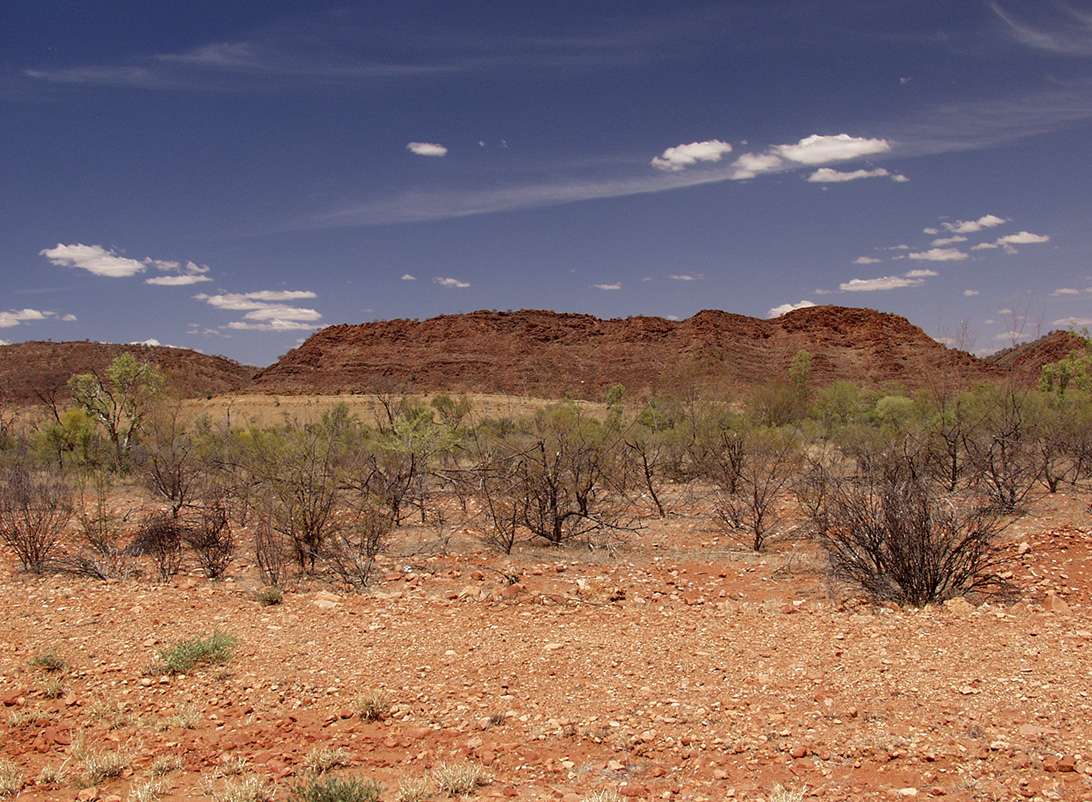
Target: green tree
{"x":120,"y":399}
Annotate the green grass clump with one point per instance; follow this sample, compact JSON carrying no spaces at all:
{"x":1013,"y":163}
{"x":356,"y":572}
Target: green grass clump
{"x":270,"y":595}
{"x":187,"y":655}
{"x":335,"y":789}
{"x":48,"y":661}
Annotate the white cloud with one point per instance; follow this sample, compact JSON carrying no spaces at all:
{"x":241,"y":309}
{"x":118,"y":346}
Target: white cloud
{"x":94,"y":259}
{"x":778,"y":311}
{"x":1065,"y":291}
{"x":426,"y":149}
{"x":830,"y":175}
{"x":866,"y":260}
{"x":261,"y":299}
{"x":948,"y":240}
{"x":151,"y":341}
{"x":818,"y":149}
{"x":984,"y":246}
{"x":282,"y":312}
{"x":940,"y":255}
{"x":1023,"y":238}
{"x":921,"y":274}
{"x":970,"y":293}
{"x":749,"y":165}
{"x":408,"y":277}
{"x":5,"y":342}
{"x":14,"y":318}
{"x":682,"y":156}
{"x":268,"y":307}
{"x":971,"y":226}
{"x":930,"y":231}
{"x":272,"y":325}
{"x":451,"y":282}
{"x":687,"y":277}
{"x":1073,"y":321}
{"x":899,"y":178}
{"x":874,"y":284}
{"x":191,"y":274}
{"x":607,"y":286}
{"x":70,"y":318}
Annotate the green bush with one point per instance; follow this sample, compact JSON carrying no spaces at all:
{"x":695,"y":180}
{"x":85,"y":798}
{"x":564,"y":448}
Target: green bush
{"x":185,"y":656}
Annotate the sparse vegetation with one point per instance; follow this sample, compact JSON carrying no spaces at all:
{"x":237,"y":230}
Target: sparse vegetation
{"x":322,"y":759}
{"x":247,"y":788}
{"x":11,"y":778}
{"x":371,"y":705}
{"x":49,"y":661}
{"x":414,"y":789}
{"x":185,"y":656}
{"x":459,"y":779}
{"x":336,"y":789}
{"x":270,"y":596}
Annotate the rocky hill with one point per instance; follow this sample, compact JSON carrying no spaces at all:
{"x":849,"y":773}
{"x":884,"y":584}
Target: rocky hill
{"x":553,"y":355}
{"x":29,"y":368}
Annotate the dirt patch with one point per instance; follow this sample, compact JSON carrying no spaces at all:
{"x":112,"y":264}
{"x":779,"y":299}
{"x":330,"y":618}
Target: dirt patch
{"x":678,"y":668}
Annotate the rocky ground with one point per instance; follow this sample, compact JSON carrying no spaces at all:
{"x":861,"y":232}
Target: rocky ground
{"x":678,"y":668}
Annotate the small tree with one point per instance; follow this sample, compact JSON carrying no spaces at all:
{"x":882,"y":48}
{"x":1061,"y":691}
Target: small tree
{"x":120,"y":399}
{"x":771,"y":459}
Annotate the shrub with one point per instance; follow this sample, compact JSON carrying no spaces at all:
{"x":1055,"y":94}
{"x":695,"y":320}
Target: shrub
{"x":160,"y":537}
{"x":11,"y":778}
{"x":336,"y":789}
{"x":251,"y":788}
{"x":48,"y":661}
{"x":459,"y":779}
{"x":211,"y":539}
{"x":413,"y":789}
{"x":270,"y":596}
{"x":371,"y":705}
{"x":34,"y":509}
{"x":897,"y":539}
{"x":322,"y":759}
{"x":184,"y":656}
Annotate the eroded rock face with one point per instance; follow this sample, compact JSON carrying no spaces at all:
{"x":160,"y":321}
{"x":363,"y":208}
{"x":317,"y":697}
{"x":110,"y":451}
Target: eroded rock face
{"x":553,"y":355}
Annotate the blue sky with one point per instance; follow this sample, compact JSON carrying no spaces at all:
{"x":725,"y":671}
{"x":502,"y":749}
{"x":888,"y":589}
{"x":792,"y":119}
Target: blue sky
{"x":232,"y":176}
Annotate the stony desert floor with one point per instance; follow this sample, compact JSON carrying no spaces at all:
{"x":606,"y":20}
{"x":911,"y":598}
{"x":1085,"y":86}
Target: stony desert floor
{"x":679,"y":668}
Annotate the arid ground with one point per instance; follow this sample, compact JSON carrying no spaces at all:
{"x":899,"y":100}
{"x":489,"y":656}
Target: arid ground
{"x":678,"y":668}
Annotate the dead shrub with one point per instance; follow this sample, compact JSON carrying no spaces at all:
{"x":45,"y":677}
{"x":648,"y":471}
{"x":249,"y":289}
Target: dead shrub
{"x":34,"y":509}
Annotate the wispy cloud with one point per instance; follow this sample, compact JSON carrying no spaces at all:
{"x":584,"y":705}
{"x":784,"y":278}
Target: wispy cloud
{"x":828,"y":175}
{"x":686,"y":277}
{"x":451,"y":282}
{"x":181,"y":276}
{"x":1063,"y":30}
{"x":866,"y":260}
{"x":609,"y":287}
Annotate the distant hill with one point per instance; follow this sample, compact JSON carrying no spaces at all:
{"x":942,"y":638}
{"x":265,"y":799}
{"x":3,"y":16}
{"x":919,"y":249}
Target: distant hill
{"x":46,"y":367}
{"x":554,"y":355}
{"x":1027,"y":359}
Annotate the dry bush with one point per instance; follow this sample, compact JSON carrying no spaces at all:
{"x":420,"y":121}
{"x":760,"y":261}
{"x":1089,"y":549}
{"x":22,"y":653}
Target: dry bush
{"x":34,"y":509}
{"x":160,"y":538}
{"x":892,"y":534}
{"x":209,"y":535}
